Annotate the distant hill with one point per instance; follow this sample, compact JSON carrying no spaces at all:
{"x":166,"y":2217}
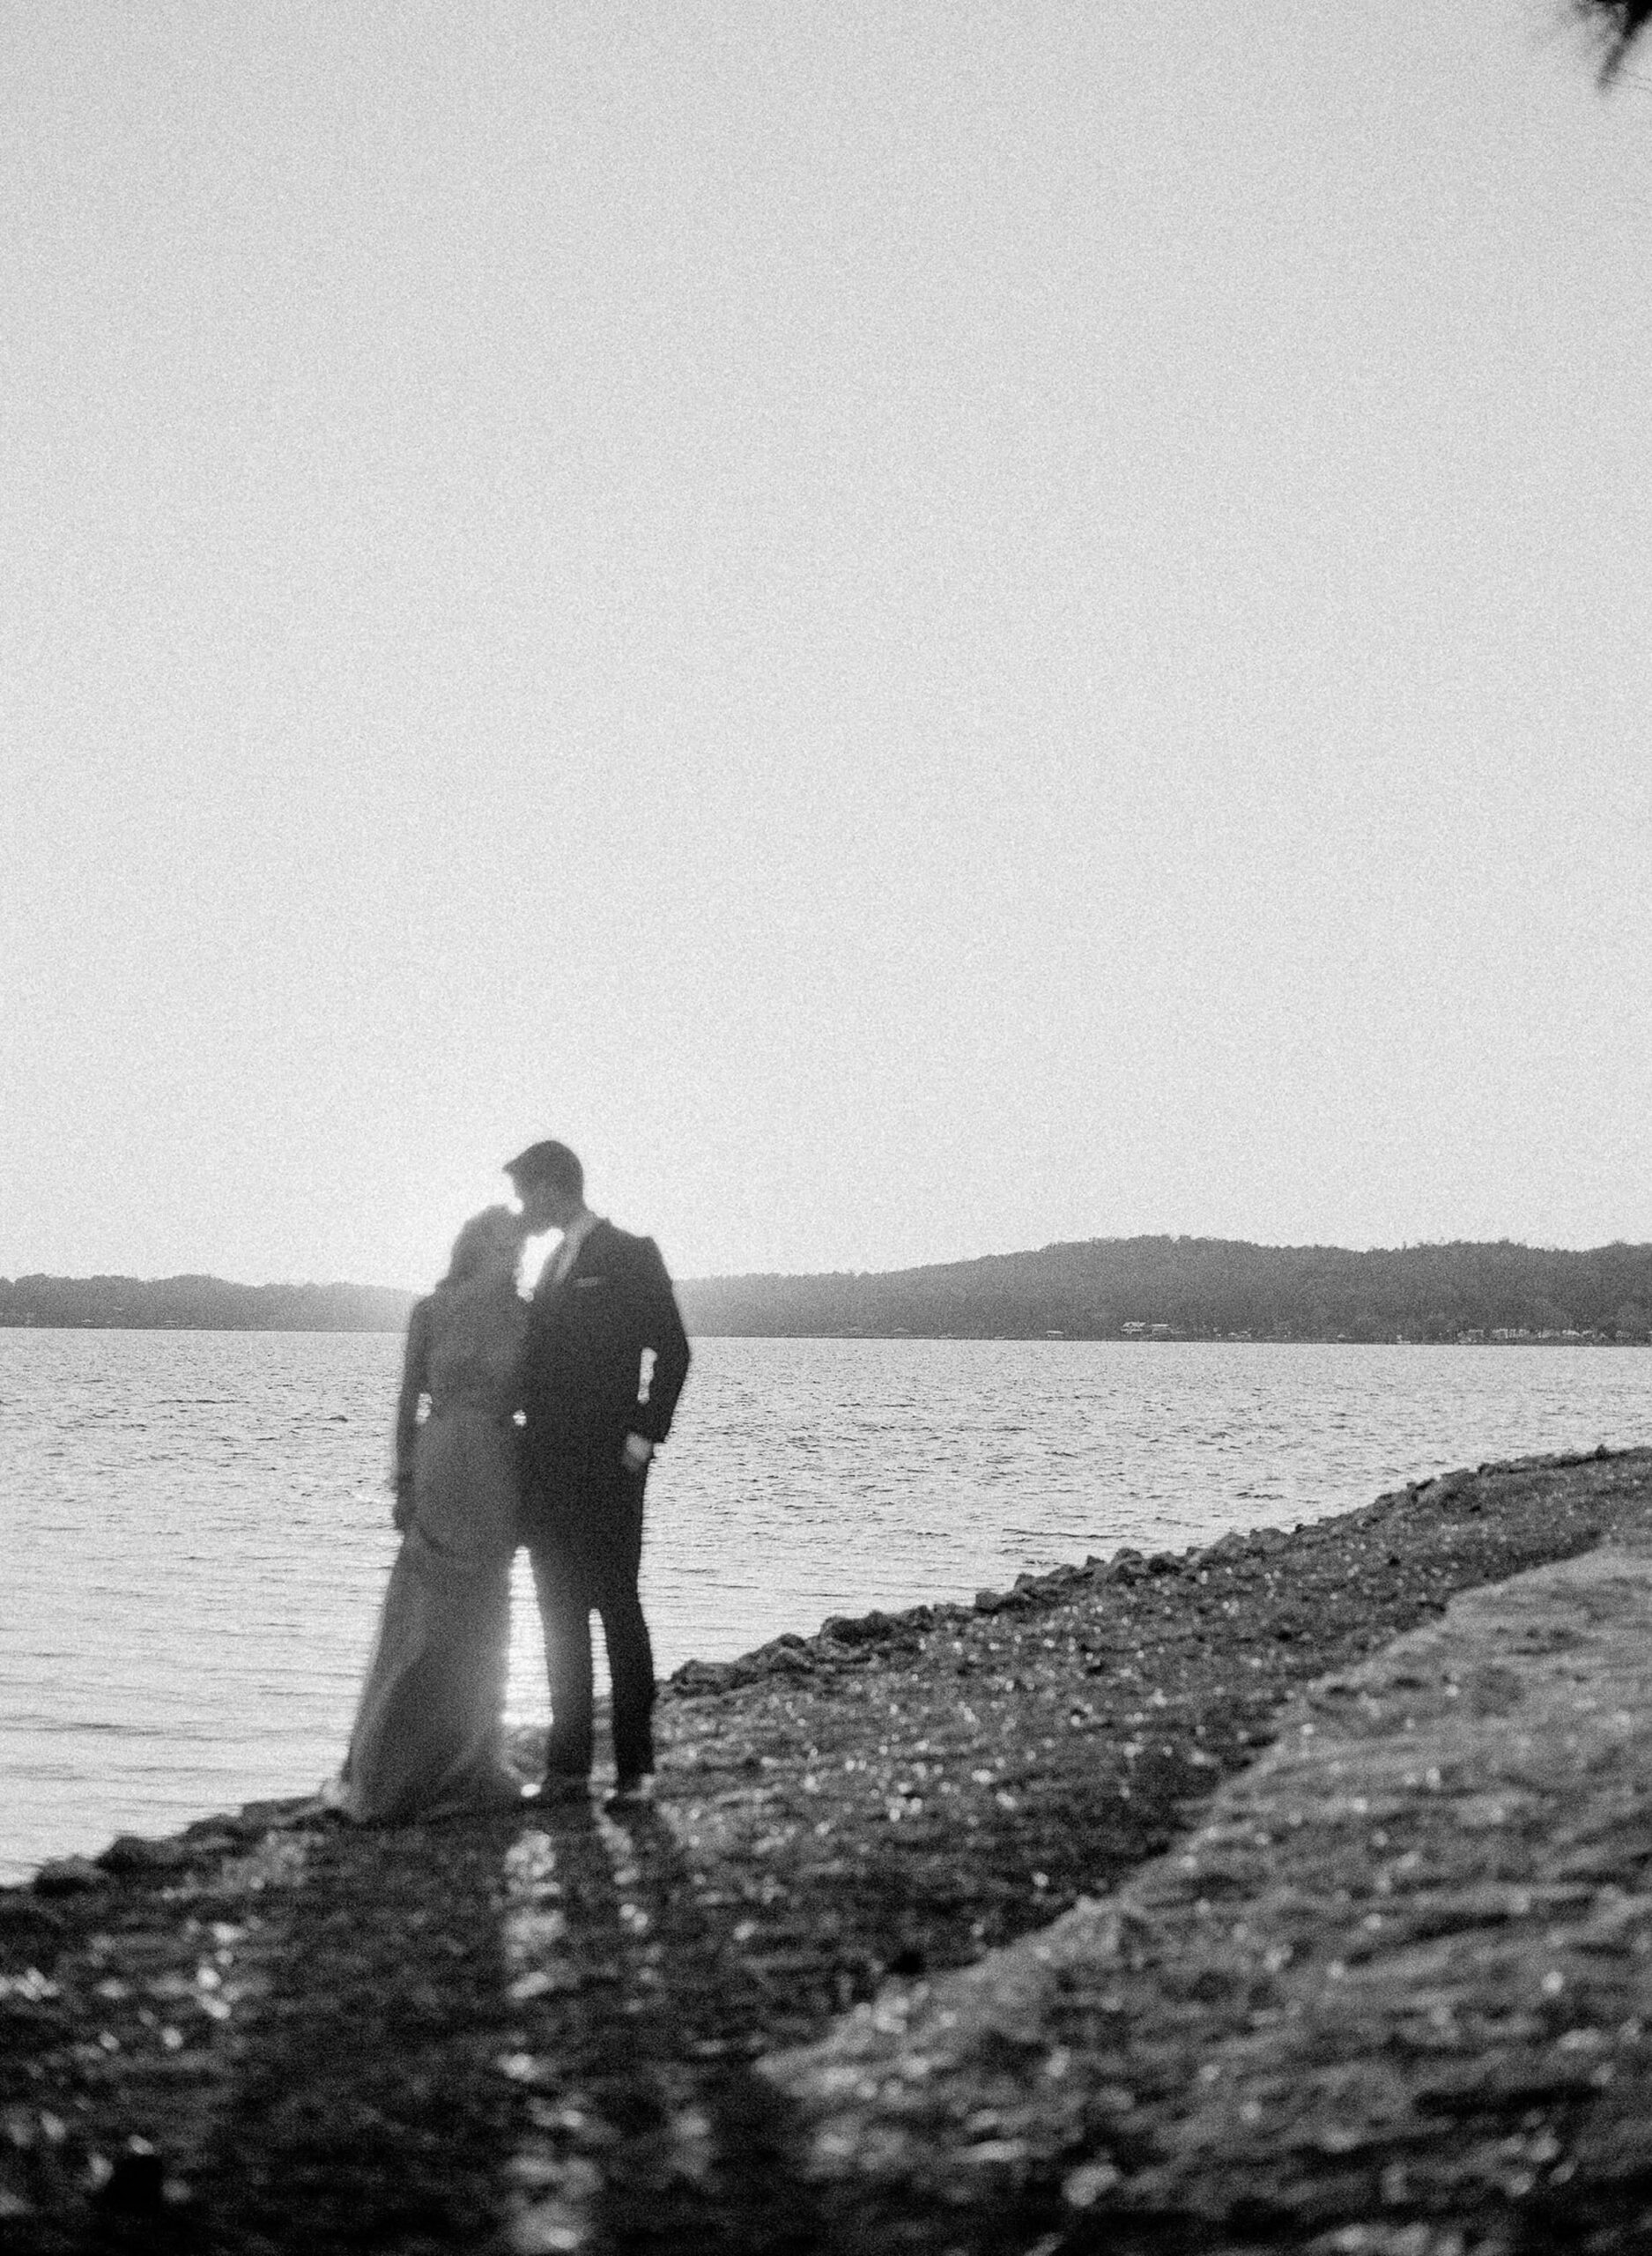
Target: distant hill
{"x":1101,"y":1289}
{"x":1104,"y":1288}
{"x":200,"y":1304}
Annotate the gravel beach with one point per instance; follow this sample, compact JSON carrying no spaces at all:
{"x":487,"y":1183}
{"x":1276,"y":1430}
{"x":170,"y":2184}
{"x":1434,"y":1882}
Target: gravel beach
{"x":722,"y":2022}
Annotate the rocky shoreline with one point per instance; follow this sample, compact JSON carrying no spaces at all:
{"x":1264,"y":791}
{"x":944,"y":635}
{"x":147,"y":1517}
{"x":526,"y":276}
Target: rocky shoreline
{"x":552,"y":2031}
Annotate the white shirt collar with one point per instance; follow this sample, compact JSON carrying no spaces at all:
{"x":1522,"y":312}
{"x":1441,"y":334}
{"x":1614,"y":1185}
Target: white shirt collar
{"x":573,"y":1238}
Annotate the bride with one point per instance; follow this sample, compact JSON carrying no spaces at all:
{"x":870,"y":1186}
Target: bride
{"x":427,"y":1741}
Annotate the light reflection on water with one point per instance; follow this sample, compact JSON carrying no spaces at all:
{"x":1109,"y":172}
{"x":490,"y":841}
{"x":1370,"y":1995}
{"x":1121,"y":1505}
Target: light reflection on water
{"x":198,"y":1528}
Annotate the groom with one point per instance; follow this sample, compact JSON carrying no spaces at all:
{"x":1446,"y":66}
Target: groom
{"x":593,"y":1419}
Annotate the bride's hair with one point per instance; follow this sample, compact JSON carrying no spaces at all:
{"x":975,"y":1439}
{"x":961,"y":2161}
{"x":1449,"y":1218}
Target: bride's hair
{"x":478,"y":1240}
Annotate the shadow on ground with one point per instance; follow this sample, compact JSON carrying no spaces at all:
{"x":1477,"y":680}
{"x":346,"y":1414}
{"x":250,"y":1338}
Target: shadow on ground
{"x":539,"y":2033}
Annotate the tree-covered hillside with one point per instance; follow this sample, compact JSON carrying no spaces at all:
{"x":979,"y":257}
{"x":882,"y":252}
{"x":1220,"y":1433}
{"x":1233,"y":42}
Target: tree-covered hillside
{"x":1102,"y":1289}
{"x":1207,"y":1287}
{"x":200,"y":1304}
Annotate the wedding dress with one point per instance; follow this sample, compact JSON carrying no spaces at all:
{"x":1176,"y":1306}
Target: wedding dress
{"x":427,"y":1737}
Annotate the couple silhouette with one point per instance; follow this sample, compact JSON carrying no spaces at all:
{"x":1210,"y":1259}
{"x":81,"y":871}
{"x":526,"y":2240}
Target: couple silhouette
{"x":518,"y":1424}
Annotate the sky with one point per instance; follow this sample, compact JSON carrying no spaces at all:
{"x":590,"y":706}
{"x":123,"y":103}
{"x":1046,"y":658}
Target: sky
{"x":925,"y":628}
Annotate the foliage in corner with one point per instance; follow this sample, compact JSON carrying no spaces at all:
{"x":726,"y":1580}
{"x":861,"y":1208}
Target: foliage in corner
{"x":1618,"y":24}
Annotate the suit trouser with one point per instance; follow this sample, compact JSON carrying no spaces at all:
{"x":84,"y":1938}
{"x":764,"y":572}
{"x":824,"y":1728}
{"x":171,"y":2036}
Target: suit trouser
{"x":585,"y":1542}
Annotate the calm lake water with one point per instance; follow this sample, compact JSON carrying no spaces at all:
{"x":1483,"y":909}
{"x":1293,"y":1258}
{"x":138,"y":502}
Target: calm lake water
{"x":197,"y":1526}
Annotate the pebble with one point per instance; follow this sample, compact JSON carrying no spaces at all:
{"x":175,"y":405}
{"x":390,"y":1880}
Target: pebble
{"x":69,"y":1876}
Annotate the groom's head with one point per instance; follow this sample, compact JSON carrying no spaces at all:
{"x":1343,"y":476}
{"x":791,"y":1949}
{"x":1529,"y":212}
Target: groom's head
{"x":550,"y":1183}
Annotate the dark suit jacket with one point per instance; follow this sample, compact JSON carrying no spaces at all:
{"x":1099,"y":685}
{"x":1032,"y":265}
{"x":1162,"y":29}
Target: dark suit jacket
{"x":583,"y":1360}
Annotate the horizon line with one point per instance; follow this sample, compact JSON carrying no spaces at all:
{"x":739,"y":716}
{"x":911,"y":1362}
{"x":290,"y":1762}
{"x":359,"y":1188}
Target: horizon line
{"x":746,"y":1276}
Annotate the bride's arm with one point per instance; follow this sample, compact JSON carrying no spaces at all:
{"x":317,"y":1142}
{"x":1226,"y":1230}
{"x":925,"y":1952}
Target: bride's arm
{"x":415,"y":1383}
